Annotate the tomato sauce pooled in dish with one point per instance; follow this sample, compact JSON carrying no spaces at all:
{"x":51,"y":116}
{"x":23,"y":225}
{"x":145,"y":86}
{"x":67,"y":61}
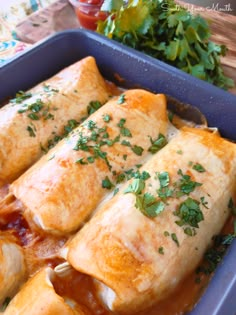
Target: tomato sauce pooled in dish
{"x":80,"y":288}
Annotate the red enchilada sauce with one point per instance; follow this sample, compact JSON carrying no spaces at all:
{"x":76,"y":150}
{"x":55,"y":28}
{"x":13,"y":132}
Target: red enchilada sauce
{"x":80,"y":288}
{"x":89,"y":15}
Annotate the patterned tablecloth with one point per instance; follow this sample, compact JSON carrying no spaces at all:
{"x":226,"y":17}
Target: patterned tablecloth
{"x":12,"y":12}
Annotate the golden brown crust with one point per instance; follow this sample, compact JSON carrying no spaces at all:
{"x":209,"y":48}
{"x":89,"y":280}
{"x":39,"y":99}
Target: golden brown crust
{"x":59,"y":193}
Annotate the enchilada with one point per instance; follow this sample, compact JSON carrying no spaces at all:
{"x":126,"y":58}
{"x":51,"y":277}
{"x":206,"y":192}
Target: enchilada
{"x":62,"y":189}
{"x":38,"y":297}
{"x":34,"y":120}
{"x":13,"y":270}
{"x":144,"y":241}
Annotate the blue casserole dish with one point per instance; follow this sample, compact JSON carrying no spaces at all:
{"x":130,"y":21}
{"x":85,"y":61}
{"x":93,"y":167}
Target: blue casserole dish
{"x":138,"y":70}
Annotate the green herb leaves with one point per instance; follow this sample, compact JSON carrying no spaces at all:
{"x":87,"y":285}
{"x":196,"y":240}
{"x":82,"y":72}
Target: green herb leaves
{"x":157,"y":144}
{"x":35,"y":111}
{"x":199,"y":168}
{"x":190,"y":215}
{"x":185,"y":183}
{"x":167,"y":32}
{"x":145,"y":202}
{"x":106,"y":183}
{"x":31,"y":130}
{"x":136,"y":187}
{"x":188,"y":211}
{"x":121,"y":99}
{"x":93,"y":107}
{"x":20,"y":97}
{"x":5,"y":304}
{"x":214,"y":254}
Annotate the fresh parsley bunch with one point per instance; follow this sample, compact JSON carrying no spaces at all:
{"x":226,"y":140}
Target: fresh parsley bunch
{"x":168,"y":32}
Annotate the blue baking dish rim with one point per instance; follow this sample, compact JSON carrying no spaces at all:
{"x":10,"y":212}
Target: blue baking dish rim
{"x":218,"y":105}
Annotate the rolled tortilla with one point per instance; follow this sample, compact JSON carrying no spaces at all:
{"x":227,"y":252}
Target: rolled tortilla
{"x":30,"y":122}
{"x":12,"y":267}
{"x":38,"y":297}
{"x":61,"y":190}
{"x":139,"y":249}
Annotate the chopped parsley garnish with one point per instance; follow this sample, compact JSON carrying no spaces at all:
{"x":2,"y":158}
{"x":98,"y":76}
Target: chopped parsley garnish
{"x":175,"y":239}
{"x":190,"y":215}
{"x":125,"y":132}
{"x":93,"y":107}
{"x":90,"y":159}
{"x":36,"y":107}
{"x":204,"y":202}
{"x":121,"y":122}
{"x":33,"y":116}
{"x":120,"y":178}
{"x":137,"y":150}
{"x":164,"y":179}
{"x":93,"y":143}
{"x":199,"y":168}
{"x":99,"y":137}
{"x":136,"y":186}
{"x":82,"y":143}
{"x":149,"y":205}
{"x":145,"y":202}
{"x":71,"y":124}
{"x":164,"y":191}
{"x":157,"y":144}
{"x":144,"y":175}
{"x":106,"y":118}
{"x":106,"y":183}
{"x":185,"y":183}
{"x":91,"y":125}
{"x":116,"y":190}
{"x":121,"y":99}
{"x":189,"y":231}
{"x":215,"y":253}
{"x":20,"y":97}
{"x":37,"y":110}
{"x":126,"y":143}
{"x":161,"y":250}
{"x":49,"y":89}
{"x":31,"y":131}
{"x":81,"y":161}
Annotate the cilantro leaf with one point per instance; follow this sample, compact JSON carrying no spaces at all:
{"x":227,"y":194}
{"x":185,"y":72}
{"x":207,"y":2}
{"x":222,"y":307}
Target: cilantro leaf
{"x":186,"y":184}
{"x":136,"y":186}
{"x":168,"y":32}
{"x":106,"y":183}
{"x":150,"y":206}
{"x":199,"y":168}
{"x":145,"y":202}
{"x":189,"y":213}
{"x":157,"y":144}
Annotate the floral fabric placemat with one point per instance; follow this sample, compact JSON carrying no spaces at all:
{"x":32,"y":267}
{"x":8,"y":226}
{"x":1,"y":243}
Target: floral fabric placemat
{"x":24,"y":22}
